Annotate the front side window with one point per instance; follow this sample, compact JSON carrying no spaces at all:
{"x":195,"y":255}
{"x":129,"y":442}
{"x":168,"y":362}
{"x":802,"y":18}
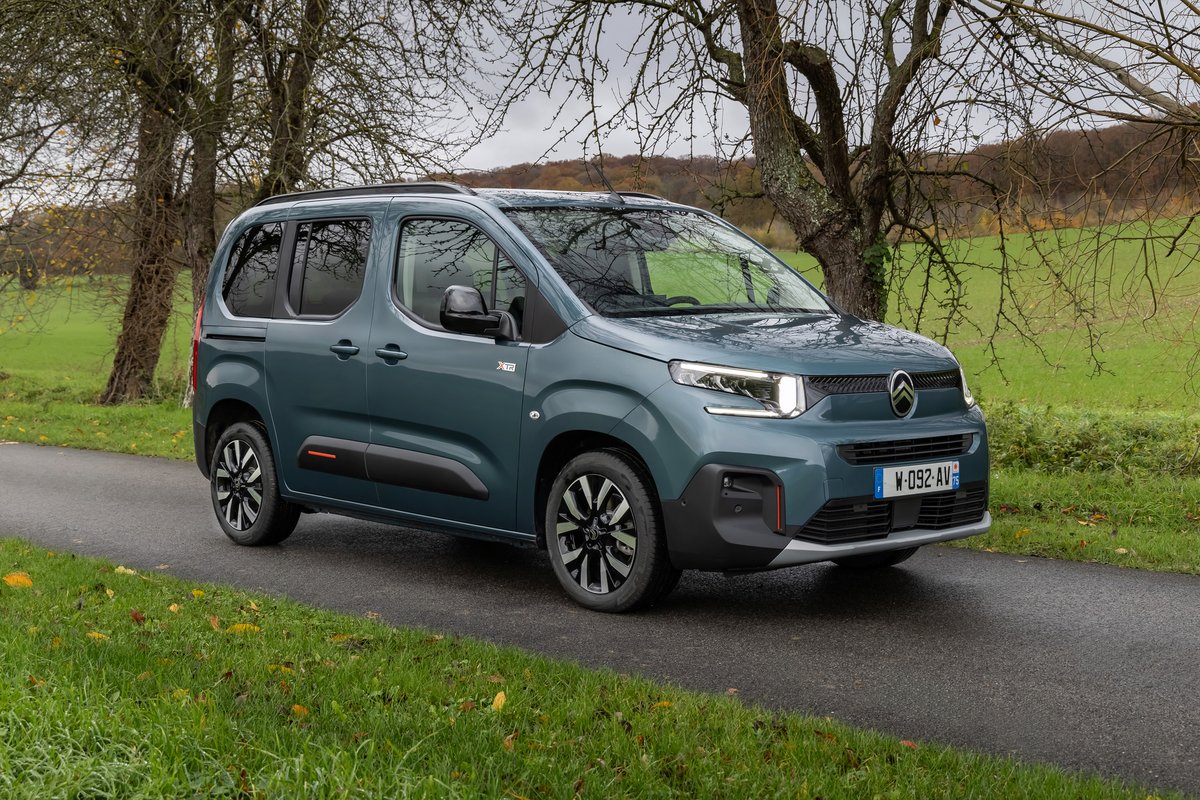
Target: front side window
{"x":436,"y":254}
{"x":249,"y":285}
{"x":627,"y":262}
{"x":330,"y":260}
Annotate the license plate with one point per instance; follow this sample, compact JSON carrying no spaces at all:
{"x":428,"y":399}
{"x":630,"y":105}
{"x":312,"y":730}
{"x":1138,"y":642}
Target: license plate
{"x":917,"y":479}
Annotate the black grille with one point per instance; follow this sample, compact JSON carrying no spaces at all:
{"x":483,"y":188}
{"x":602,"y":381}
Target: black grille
{"x":858,"y":519}
{"x":937,"y":380}
{"x":898,"y":450}
{"x":821,"y":385}
{"x":950,"y":509}
{"x":847,"y":384}
{"x":848,"y":521}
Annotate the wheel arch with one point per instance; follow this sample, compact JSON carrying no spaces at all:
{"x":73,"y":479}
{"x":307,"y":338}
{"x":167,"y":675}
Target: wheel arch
{"x":561,"y":449}
{"x":223,"y":414}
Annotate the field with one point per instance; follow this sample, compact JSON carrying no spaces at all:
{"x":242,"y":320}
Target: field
{"x":1142,"y":302}
{"x":1091,"y":462}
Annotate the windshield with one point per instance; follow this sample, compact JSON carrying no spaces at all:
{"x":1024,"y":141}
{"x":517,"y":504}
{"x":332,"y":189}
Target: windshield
{"x":632,"y":262}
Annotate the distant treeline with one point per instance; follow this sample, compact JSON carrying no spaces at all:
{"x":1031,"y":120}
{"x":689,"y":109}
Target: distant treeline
{"x":1066,"y":179}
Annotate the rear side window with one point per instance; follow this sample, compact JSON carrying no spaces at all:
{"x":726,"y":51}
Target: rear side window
{"x":438,"y":253}
{"x":249,"y":287}
{"x":329,"y":264}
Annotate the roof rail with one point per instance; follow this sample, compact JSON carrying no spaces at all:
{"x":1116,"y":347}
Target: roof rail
{"x":645,"y":195}
{"x":412,"y":187}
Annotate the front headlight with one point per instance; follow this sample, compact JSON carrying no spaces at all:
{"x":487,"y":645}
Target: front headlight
{"x":781,"y":396}
{"x":968,"y":398}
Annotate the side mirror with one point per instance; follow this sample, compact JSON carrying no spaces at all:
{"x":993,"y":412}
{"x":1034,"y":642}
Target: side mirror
{"x":463,"y":311}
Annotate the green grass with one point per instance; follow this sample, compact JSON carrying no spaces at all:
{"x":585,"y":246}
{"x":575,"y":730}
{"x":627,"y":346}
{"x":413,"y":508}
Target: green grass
{"x":1149,"y":339}
{"x":140,"y":685}
{"x":1143,"y":520}
{"x":56,"y":350}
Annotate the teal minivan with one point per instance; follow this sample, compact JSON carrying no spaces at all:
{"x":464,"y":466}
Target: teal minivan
{"x":634,"y":385}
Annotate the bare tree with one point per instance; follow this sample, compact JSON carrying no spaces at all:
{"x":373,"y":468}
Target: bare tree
{"x":861,"y":112}
{"x":315,"y":90}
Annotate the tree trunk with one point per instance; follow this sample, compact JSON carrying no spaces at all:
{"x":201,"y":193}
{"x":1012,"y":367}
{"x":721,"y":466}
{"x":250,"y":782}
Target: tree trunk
{"x":828,"y":226}
{"x":287,"y":160}
{"x":152,"y":284}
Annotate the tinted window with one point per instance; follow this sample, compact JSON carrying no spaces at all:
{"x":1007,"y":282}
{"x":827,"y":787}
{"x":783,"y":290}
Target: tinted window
{"x":332,"y":257}
{"x":642,"y":262}
{"x":249,"y":288}
{"x":437,"y":253}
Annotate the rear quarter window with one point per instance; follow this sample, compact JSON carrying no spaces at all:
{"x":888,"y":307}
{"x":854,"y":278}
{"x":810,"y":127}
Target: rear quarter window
{"x":249,"y":285}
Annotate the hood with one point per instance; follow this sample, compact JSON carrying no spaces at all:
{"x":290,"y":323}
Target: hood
{"x":804,"y":344}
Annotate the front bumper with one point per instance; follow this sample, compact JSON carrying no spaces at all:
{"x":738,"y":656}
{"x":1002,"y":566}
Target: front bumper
{"x":733,"y":518}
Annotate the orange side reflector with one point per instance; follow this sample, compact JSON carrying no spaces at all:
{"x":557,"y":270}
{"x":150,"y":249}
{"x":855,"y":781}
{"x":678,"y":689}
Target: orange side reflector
{"x":319,"y":454}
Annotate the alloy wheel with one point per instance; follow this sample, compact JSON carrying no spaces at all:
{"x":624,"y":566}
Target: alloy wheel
{"x":239,"y":485}
{"x":596,"y":534}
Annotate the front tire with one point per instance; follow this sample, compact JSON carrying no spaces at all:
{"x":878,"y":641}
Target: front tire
{"x":605,"y":536}
{"x":245,"y":488}
{"x":888,"y":558}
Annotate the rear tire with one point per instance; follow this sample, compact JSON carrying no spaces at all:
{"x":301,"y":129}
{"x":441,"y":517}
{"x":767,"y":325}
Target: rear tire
{"x":604,"y":534}
{"x":888,"y":558}
{"x":245,"y":488}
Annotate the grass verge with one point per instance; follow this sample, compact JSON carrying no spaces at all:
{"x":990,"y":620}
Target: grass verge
{"x":141,"y":685}
{"x":1143,"y":520}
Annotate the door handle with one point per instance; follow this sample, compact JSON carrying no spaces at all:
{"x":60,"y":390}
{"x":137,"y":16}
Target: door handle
{"x":344,"y":349}
{"x":391,"y":354}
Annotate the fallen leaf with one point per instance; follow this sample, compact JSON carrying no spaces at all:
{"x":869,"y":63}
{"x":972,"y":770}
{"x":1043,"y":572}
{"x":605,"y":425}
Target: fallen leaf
{"x":125,"y":571}
{"x":111,"y":594}
{"x":299,"y":711}
{"x":215,"y":622}
{"x":372,"y":615}
{"x":499,"y":701}
{"x":35,"y":682}
{"x":97,"y":635}
{"x":145,"y":675}
{"x":283,"y":669}
{"x":1120,"y":551}
{"x":829,"y":737}
{"x":242,"y":628}
{"x":510,"y":739}
{"x":467,"y":705}
{"x":495,"y":679}
{"x":253,"y":606}
{"x":18,"y":580}
{"x":173,"y":608}
{"x":197,"y":593}
{"x":1007,"y":508}
{"x":731,"y":691}
{"x":163,"y":566}
{"x":662,"y":704}
{"x":1069,"y":509}
{"x":908,"y":744}
{"x":138,"y":617}
{"x":339,"y":637}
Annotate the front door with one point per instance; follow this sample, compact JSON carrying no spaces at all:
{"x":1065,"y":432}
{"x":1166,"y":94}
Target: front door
{"x":446,"y":407}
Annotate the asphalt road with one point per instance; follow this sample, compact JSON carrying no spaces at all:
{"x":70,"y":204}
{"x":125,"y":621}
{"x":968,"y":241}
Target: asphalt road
{"x":1093,"y":668}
